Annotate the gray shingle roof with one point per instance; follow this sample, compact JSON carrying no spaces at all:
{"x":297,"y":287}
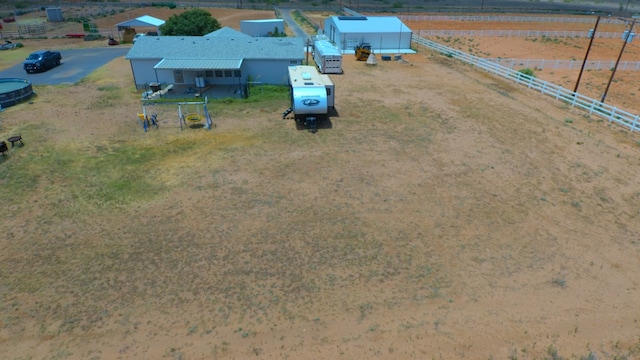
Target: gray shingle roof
{"x":217,"y":47}
{"x":227,"y":32}
{"x":199,"y":64}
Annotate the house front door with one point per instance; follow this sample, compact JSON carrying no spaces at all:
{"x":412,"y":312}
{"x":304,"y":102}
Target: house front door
{"x":177,"y":77}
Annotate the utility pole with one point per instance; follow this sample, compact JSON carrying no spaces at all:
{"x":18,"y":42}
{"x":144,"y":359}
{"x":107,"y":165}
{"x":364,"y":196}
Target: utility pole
{"x":626,"y":39}
{"x":626,"y":9}
{"x":584,"y":62}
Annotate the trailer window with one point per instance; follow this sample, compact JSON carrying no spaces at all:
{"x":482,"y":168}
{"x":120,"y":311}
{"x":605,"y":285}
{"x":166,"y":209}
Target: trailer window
{"x":218,"y":73}
{"x":329,"y":91}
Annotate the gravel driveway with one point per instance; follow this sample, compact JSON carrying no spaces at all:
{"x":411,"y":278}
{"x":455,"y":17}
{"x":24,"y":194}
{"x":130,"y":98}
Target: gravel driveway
{"x":76,"y":64}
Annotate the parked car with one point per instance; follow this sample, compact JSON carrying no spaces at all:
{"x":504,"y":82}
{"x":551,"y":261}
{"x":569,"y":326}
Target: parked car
{"x":42,"y":60}
{"x":112,"y":41}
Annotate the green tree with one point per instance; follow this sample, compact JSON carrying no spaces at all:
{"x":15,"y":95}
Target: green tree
{"x":196,"y":22}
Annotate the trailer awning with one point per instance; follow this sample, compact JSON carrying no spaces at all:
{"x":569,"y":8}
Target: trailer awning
{"x":199,"y":64}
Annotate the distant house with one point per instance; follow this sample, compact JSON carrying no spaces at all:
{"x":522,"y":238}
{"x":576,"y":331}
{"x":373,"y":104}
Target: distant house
{"x":223,"y":58}
{"x":386,"y":34}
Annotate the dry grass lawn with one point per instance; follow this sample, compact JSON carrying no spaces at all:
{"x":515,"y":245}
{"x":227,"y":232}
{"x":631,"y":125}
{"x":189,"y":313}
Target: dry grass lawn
{"x":444,"y":213}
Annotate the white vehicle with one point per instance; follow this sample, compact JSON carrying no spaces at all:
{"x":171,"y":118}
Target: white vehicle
{"x":136,"y":37}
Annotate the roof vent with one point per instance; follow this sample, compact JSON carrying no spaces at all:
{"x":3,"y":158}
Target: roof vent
{"x":306,"y":76}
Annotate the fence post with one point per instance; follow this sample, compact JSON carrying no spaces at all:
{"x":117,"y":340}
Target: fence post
{"x":611,"y":114}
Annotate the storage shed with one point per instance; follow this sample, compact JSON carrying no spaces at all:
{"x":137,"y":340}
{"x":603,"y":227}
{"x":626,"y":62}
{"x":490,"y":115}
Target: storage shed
{"x":386,"y":34}
{"x":54,"y":14}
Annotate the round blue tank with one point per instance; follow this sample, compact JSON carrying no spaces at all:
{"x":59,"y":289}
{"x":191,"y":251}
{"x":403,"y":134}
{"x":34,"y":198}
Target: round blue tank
{"x":13,"y":91}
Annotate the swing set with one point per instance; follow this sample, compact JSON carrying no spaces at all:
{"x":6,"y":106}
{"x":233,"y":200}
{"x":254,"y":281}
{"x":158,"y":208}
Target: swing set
{"x":191,"y":114}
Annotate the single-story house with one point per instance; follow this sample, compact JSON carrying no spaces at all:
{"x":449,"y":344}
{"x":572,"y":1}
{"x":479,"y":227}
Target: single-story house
{"x":386,"y":34}
{"x":222,"y":58}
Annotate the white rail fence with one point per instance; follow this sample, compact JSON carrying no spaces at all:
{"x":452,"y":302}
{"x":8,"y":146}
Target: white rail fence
{"x":49,"y":30}
{"x":566,"y":64}
{"x":593,"y":107}
{"x":497,"y":18}
{"x":520,"y":33}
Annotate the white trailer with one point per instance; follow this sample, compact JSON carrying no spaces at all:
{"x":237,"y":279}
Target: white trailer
{"x":312,"y":95}
{"x":327,"y":56}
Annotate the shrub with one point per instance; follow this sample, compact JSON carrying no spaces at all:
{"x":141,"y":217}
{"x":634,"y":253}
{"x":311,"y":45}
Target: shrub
{"x":528,"y":72}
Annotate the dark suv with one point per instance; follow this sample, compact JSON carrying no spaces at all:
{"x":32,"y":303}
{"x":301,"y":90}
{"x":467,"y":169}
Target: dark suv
{"x":42,"y":60}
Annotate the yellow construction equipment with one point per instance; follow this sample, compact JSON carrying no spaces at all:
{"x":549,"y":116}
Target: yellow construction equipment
{"x":363,"y":51}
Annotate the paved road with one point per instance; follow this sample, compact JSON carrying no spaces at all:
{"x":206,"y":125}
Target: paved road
{"x":76,"y":64}
{"x":286,"y":16}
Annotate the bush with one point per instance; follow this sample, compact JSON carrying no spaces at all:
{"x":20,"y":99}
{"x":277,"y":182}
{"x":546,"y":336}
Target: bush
{"x":527,"y":71}
{"x":195,"y":22}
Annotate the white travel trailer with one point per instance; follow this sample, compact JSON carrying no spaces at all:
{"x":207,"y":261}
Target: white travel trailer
{"x":312,"y":96}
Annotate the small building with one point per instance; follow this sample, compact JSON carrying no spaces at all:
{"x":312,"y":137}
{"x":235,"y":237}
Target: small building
{"x":142,"y":24}
{"x":228,"y":60}
{"x":267,"y":27}
{"x":386,"y":34}
{"x":54,"y":14}
{"x":326,"y":55}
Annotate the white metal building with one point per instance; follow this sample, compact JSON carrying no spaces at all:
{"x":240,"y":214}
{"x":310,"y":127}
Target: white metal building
{"x":267,"y":27}
{"x":205,"y":61}
{"x":386,"y":34}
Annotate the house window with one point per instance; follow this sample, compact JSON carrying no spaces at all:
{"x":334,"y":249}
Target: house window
{"x":218,"y":73}
{"x":236,"y":73}
{"x":227,"y":73}
{"x":208,"y":73}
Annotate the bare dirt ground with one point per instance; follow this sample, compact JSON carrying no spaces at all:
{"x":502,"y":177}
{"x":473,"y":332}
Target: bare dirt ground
{"x":625,"y":84}
{"x":445,"y":214}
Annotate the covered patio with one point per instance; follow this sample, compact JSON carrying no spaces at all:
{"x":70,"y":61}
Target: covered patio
{"x":213,"y":78}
